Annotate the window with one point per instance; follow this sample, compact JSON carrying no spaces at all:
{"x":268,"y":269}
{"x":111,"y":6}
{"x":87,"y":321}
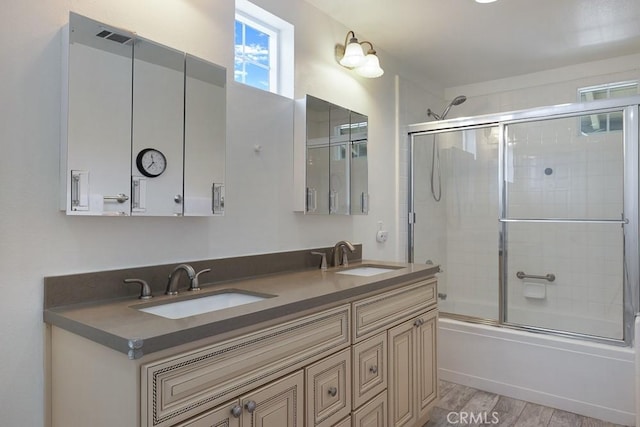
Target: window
{"x":263,"y":50}
{"x":604,"y":122}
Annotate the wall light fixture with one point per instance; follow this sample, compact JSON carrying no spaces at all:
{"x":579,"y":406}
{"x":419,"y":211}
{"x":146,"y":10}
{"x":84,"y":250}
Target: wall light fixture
{"x":351,"y":55}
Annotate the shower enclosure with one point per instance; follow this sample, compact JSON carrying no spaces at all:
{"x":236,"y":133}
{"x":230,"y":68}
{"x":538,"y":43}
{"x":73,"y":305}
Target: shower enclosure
{"x":536,"y":223}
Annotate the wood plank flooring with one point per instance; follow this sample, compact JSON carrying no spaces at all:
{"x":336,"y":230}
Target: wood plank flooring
{"x":457,"y":400}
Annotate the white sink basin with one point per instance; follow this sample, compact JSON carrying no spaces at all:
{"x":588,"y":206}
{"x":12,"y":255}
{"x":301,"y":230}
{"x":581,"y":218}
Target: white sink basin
{"x":193,"y":307}
{"x":366,"y":271}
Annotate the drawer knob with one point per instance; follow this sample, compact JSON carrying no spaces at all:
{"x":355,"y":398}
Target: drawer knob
{"x":373,"y":369}
{"x":333,"y":391}
{"x":250,"y":406}
{"x":236,"y":411}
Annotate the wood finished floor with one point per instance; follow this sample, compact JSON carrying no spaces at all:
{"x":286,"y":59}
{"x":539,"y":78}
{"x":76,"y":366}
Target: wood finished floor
{"x":509,"y":412}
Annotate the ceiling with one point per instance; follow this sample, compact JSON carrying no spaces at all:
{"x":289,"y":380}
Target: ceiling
{"x":459,"y":42}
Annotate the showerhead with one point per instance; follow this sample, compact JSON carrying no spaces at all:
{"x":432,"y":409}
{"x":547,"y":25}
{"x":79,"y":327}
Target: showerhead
{"x":456,"y":101}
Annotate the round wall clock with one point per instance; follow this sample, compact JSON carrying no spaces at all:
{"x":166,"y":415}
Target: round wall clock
{"x":151,"y":162}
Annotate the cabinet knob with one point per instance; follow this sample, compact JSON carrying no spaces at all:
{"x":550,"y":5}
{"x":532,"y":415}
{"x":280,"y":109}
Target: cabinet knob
{"x":373,"y":369}
{"x":236,"y":411}
{"x":416,"y":323}
{"x":333,"y":391}
{"x":250,"y":406}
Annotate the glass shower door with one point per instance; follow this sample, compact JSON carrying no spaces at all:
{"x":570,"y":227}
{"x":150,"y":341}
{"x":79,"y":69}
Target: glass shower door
{"x":455,"y":202}
{"x":563,"y":226}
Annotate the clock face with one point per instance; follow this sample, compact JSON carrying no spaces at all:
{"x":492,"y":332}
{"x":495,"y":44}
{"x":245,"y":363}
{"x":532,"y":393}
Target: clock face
{"x":151,"y":162}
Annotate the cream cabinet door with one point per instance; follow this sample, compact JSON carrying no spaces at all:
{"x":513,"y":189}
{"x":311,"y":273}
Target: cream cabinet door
{"x":401,"y":389}
{"x":373,"y":413}
{"x":328,"y":391}
{"x":278,"y":404}
{"x":369,"y":368}
{"x":427,"y":370}
{"x":412,"y":370}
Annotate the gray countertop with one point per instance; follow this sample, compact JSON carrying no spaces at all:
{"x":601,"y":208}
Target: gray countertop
{"x":119,"y":324}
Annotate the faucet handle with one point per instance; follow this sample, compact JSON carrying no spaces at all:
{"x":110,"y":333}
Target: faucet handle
{"x":323,"y":262}
{"x":145,"y":289}
{"x":195,"y":283}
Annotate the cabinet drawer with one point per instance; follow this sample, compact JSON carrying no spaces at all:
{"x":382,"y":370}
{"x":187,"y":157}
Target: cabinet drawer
{"x":369,"y":368}
{"x":373,"y":413}
{"x":389,"y":308}
{"x":177,"y":388}
{"x":218,"y":417}
{"x":329,"y":390}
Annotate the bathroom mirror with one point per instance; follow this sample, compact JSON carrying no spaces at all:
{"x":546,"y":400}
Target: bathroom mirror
{"x":96,"y":128}
{"x":158,"y":114}
{"x":359,"y":127}
{"x":204,"y":137}
{"x":144,"y":126}
{"x":318,"y":155}
{"x":336,"y":159}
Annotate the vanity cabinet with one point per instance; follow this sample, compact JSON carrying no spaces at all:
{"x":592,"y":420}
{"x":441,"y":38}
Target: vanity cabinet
{"x":370,"y":362}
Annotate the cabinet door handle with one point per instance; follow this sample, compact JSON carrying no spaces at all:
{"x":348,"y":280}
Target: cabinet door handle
{"x":236,"y":411}
{"x":250,"y":406}
{"x":333,"y":391}
{"x":416,"y":323}
{"x":373,"y":369}
{"x":120,"y":198}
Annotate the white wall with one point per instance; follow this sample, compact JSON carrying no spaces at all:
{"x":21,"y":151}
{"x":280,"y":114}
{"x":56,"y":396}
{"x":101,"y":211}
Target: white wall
{"x":38,"y":240}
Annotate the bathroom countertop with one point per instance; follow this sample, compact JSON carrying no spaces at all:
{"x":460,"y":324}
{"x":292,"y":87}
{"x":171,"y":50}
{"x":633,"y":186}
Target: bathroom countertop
{"x":119,"y":324}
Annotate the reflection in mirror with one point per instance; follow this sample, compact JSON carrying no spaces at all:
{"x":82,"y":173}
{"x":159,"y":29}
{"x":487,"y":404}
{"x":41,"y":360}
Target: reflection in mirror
{"x":336,"y":159}
{"x":359,"y":126}
{"x":96,"y":129}
{"x":339,"y":162}
{"x":158,"y":114}
{"x":204,"y":137}
{"x":318,"y":132}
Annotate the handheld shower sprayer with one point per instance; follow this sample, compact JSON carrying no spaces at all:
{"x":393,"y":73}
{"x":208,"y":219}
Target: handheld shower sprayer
{"x":436,"y":183}
{"x":456,"y":101}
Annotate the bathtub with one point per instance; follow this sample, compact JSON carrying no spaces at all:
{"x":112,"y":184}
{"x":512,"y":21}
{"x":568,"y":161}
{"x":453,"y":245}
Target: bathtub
{"x":590,"y":379}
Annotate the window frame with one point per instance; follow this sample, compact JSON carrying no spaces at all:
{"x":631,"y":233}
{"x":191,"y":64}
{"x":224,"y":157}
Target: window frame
{"x":274,"y":36}
{"x":281,"y":46}
{"x":607,"y":88}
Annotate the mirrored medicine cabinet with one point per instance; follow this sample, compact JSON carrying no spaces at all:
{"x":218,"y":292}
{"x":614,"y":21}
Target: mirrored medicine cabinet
{"x":336,"y":159}
{"x":144,"y":126}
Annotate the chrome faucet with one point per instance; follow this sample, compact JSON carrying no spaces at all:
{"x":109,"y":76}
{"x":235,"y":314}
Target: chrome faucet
{"x":174,"y":278}
{"x":342,"y":245}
